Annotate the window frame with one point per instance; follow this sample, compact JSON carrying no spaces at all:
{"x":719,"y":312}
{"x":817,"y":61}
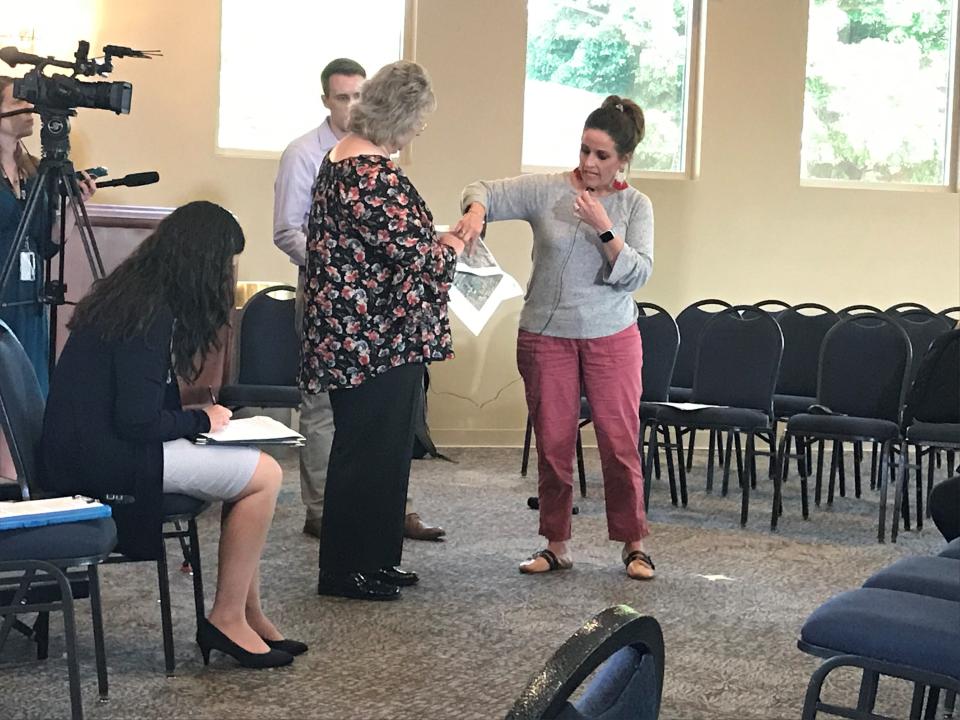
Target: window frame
{"x":691,"y":122}
{"x":951,"y":144}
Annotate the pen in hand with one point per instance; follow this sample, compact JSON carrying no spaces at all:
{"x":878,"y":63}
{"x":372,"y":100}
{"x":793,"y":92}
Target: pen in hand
{"x":213,"y":398}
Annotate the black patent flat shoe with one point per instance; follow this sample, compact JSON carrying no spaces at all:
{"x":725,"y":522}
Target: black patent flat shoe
{"x":397,"y":576}
{"x":356,"y":586}
{"x":210,"y":637}
{"x":291,"y":647}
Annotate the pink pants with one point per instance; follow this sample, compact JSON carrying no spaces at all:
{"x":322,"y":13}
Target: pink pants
{"x":609,"y":370}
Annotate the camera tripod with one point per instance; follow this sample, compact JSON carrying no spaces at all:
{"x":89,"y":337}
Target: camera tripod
{"x":55,"y":178}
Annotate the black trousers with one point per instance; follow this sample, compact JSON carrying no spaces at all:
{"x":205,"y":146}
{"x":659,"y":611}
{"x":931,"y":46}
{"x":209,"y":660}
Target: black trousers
{"x":363,"y":505}
{"x":945,"y":507}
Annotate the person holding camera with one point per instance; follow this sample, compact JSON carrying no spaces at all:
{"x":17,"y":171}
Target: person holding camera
{"x":376,"y":285}
{"x":592,"y":248}
{"x":114,"y":423}
{"x":20,"y":305}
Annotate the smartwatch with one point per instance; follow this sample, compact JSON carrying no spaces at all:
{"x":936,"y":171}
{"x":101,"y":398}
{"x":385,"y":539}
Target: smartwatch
{"x":607,"y":236}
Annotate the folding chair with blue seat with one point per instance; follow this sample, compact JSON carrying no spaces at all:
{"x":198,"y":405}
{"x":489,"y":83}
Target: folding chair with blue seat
{"x":44,"y":568}
{"x":628,"y":650}
{"x":736,"y":371}
{"x":883,"y":632}
{"x":862,"y":380}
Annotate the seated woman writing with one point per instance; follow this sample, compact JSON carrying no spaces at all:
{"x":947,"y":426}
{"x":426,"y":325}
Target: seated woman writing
{"x":114,"y":423}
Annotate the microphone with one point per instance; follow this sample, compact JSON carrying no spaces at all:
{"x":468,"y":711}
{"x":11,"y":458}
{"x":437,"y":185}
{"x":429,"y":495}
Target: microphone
{"x":132,"y":180}
{"x":121,"y":51}
{"x":13,"y":57}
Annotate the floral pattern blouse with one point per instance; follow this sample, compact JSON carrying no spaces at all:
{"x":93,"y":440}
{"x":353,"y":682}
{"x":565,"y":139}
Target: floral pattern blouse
{"x":375,"y":292}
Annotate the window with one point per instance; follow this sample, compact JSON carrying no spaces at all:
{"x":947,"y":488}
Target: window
{"x":580,"y":51}
{"x":271,"y":58}
{"x":879,"y":91}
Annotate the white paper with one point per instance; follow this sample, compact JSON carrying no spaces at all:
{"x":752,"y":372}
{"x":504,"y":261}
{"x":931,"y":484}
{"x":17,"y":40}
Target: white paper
{"x":688,"y":405}
{"x":252,"y":430}
{"x":479,"y":286}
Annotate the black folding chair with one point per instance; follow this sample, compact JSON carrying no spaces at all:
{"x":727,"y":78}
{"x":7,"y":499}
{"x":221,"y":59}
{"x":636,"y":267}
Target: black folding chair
{"x":736,"y":371}
{"x":267,"y":359}
{"x":862,"y":381}
{"x":43,"y":569}
{"x":690,"y":321}
{"x":774,"y":307}
{"x":661,"y":340}
{"x":931,"y":422}
{"x":624,"y":648}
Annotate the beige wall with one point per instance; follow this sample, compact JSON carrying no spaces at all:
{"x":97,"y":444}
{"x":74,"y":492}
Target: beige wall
{"x":744,"y":230}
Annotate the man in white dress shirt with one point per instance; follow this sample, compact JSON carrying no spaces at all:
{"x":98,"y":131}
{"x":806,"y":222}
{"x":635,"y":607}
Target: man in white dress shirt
{"x":293,"y":194}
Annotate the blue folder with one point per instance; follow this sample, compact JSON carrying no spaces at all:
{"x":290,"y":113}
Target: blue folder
{"x":88,"y":510}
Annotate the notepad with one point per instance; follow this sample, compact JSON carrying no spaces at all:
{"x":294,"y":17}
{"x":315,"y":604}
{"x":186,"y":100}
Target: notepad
{"x":259,"y":430}
{"x":51,"y":511}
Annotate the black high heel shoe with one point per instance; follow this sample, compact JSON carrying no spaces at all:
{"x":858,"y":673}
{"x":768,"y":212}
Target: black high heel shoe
{"x":209,"y":637}
{"x":291,"y":647}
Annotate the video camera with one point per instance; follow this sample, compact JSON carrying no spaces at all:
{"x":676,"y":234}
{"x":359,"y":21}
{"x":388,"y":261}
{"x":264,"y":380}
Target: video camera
{"x":64,"y":93}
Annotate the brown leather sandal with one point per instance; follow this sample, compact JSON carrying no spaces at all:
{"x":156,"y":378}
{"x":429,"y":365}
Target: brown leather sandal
{"x":646,"y":566}
{"x":553,"y":563}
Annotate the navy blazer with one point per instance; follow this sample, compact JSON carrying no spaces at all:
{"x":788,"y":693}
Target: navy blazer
{"x":111,"y":407}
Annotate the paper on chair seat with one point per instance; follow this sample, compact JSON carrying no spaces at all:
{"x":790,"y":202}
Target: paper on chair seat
{"x":688,"y":405}
{"x":252,"y":431}
{"x":51,"y":511}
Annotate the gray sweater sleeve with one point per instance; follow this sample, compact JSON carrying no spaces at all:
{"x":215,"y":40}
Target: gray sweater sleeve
{"x":515,"y":198}
{"x":635,"y":262}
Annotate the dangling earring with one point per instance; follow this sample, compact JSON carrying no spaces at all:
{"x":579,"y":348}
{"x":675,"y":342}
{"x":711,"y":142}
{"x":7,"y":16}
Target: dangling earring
{"x":620,"y":180}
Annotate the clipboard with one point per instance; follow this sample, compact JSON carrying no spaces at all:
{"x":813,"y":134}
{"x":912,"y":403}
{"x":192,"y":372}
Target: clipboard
{"x":51,"y":511}
{"x":259,"y":430}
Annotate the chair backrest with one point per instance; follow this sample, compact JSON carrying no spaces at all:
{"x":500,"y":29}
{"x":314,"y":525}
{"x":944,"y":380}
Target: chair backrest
{"x":738,"y":359}
{"x":864,"y":366}
{"x":951,"y":313}
{"x":661,"y":341}
{"x":21,"y":410}
{"x":934,"y":395}
{"x":690,"y":321}
{"x":906,"y":307}
{"x":774,"y":307}
{"x":802,"y":338}
{"x":923,"y":327}
{"x":267,"y":342}
{"x":851,"y":310}
{"x":628,"y":649}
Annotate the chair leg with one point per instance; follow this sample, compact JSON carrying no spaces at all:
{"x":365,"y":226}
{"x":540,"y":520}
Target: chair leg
{"x":681,"y":467}
{"x":874,"y":462}
{"x":580,"y":469}
{"x":867,"y":698}
{"x":900,"y":490}
{"x":736,"y":439}
{"x":841,"y":472}
{"x":818,"y":487}
{"x":713,"y":442}
{"x":804,"y":474}
{"x":857,"y":457}
{"x":527,"y":436}
{"x":693,"y":440}
{"x":725,"y":485}
{"x":70,"y":639}
{"x":166,"y":621}
{"x":96,"y":614}
{"x":652,"y":451}
{"x":886,"y":456}
{"x":834,"y":455}
{"x":197,"y":572}
{"x":748,"y":481}
{"x":783,"y":461}
{"x":668,"y":455}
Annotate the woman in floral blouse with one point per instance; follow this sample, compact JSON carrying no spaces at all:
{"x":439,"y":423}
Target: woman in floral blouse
{"x":377,"y":277}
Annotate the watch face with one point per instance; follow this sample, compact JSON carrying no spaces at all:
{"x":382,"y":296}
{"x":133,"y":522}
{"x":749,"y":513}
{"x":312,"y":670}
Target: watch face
{"x":606,"y":236}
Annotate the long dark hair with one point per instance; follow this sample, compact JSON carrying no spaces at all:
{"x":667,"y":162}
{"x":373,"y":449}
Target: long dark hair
{"x":186,"y":265}
{"x":27,"y":163}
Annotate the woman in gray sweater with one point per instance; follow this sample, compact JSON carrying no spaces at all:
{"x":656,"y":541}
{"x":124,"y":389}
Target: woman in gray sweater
{"x":592,"y":248}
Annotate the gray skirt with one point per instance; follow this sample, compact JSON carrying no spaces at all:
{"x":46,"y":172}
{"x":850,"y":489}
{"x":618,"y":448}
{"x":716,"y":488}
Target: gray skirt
{"x":206,"y":472}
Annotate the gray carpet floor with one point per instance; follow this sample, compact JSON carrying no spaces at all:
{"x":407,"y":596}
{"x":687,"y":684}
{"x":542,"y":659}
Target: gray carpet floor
{"x":464,"y":643}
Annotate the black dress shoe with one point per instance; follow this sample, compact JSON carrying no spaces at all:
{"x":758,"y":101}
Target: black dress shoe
{"x":210,"y":637}
{"x":397,"y":576}
{"x":291,"y":647}
{"x":356,"y":586}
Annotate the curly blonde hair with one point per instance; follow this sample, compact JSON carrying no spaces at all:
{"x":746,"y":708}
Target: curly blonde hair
{"x":393,"y":104}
